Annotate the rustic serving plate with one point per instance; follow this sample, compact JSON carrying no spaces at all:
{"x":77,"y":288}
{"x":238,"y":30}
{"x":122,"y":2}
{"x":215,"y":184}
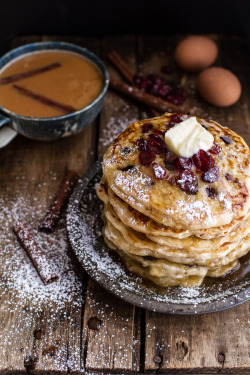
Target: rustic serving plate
{"x":84,"y":225}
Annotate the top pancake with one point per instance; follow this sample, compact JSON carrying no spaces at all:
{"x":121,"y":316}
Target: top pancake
{"x":165,"y":202}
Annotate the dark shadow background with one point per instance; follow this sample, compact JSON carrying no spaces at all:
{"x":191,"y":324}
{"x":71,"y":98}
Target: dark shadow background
{"x":98,"y":17}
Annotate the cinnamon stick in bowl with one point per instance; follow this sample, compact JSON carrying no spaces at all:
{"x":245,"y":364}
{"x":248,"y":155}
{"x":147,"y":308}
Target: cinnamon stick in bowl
{"x":61,"y":107}
{"x":30,"y":73}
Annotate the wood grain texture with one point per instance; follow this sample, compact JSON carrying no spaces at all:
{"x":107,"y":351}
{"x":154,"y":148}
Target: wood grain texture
{"x":191,"y":344}
{"x":59,"y":348}
{"x":199,"y":343}
{"x":129,"y":339}
{"x":116,"y":346}
{"x":118,"y":111}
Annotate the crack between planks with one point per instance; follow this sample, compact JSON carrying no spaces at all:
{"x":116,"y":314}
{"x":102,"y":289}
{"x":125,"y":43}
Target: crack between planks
{"x":83,"y":346}
{"x":98,"y":119}
{"x":85,"y":351}
{"x":85,"y":278}
{"x":97,"y":131}
{"x":143,"y":342}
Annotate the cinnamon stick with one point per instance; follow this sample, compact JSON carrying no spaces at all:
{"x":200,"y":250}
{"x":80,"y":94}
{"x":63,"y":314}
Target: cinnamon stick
{"x":127,"y":73}
{"x":121,"y":65}
{"x":53,"y":215}
{"x":30,"y":73}
{"x":36,"y":254}
{"x":63,"y":108}
{"x":142,"y":97}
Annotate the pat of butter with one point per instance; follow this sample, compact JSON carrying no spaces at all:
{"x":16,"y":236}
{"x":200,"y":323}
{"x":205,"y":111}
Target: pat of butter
{"x":188,"y":137}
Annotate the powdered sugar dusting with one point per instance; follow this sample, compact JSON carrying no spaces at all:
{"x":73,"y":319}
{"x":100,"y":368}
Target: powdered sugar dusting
{"x":136,"y":181}
{"x":226,"y":202}
{"x":197,"y":210}
{"x":19,"y":274}
{"x":116,"y":123}
{"x":26,"y":303}
{"x":107,"y":269}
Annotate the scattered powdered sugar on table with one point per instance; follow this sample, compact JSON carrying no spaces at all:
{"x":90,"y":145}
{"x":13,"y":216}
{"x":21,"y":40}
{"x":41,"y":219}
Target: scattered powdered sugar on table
{"x":115,"y":125}
{"x":26,"y":303}
{"x":18,"y":274}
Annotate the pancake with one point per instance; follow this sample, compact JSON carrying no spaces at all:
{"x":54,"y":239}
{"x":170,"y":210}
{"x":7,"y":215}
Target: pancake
{"x":142,"y":223}
{"x":164,"y":201}
{"x":138,"y":244}
{"x":102,"y":190}
{"x":165,"y":273}
{"x":172,"y":223}
{"x":137,"y":268}
{"x":138,"y":221}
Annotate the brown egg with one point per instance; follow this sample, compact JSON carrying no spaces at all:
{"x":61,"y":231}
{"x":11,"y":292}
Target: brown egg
{"x":196,"y":53}
{"x":219,"y":86}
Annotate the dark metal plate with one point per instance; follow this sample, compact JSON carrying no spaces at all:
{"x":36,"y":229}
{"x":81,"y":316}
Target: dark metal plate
{"x":84,"y":225}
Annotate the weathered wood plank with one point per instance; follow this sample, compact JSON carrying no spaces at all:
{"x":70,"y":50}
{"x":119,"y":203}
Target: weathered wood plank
{"x":30,"y":174}
{"x":31,"y":306}
{"x":198,"y":343}
{"x":118,"y":111}
{"x":192,"y":344}
{"x":116,"y":345}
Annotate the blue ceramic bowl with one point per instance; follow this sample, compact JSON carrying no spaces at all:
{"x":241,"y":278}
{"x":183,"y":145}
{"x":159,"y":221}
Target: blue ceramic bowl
{"x":50,"y":128}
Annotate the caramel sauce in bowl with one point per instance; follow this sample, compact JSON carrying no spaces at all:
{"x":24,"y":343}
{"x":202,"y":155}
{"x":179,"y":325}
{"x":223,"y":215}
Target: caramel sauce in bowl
{"x":50,"y":90}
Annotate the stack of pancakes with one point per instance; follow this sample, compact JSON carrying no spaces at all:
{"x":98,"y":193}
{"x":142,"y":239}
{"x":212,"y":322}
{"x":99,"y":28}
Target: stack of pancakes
{"x":163,"y":232}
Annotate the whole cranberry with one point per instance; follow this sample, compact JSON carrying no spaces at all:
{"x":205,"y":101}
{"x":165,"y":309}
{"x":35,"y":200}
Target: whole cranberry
{"x":156,"y":146}
{"x":164,"y":90}
{"x":202,"y":160}
{"x":188,"y":182}
{"x":215,"y":149}
{"x":158,"y":132}
{"x":159,"y":172}
{"x":174,"y":119}
{"x":177,"y":96}
{"x":153,"y":89}
{"x":146,"y":157}
{"x":169,"y":160}
{"x":155,"y":137}
{"x":141,"y":144}
{"x":211,"y":161}
{"x":155,"y":79}
{"x":146,"y":127}
{"x":183,"y":163}
{"x":211,"y":175}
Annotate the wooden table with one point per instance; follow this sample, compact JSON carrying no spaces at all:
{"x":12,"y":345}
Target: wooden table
{"x":45,"y":331}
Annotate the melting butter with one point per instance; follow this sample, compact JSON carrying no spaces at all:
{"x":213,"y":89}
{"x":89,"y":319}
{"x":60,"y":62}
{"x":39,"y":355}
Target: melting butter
{"x":188,"y":137}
